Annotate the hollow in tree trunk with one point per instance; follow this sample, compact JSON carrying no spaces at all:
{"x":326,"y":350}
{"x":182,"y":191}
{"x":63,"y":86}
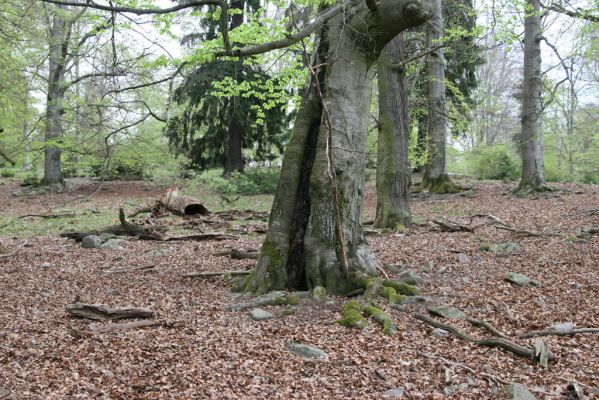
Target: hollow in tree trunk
{"x":303,"y":247}
{"x":435,"y":178}
{"x":531,"y":137}
{"x":393,"y":172}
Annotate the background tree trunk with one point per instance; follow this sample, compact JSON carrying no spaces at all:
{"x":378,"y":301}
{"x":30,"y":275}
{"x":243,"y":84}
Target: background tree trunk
{"x":57,"y":45}
{"x":302,"y":248}
{"x":393,"y":172}
{"x":435,"y":178}
{"x":531,"y":140}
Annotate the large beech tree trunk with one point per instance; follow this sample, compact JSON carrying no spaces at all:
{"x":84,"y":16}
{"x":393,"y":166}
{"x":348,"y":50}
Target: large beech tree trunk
{"x":435,"y":176}
{"x":57,"y":52}
{"x":302,"y":248}
{"x":393,"y":172}
{"x":531,"y":139}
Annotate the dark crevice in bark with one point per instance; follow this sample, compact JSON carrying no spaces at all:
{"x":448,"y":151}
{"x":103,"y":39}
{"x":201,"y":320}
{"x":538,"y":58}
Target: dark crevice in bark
{"x":296,"y":262}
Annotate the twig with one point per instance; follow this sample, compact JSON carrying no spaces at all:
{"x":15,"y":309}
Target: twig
{"x":464,"y":366}
{"x":130,"y":269}
{"x":382,"y":271}
{"x":487,"y":326}
{"x":556,"y":333}
{"x":66,"y":215}
{"x":523,"y":232}
{"x":124,"y":326}
{"x":12,"y":253}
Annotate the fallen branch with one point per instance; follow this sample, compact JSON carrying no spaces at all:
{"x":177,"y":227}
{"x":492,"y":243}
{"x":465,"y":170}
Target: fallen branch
{"x":558,"y":333}
{"x":491,"y":342}
{"x":48,"y":216}
{"x":244,"y":255}
{"x":101,"y":312}
{"x":130,"y":269}
{"x":182,"y":204}
{"x":208,"y":274}
{"x":522,"y":232}
{"x":467,"y":368}
{"x":200,"y":237}
{"x":450,"y":226}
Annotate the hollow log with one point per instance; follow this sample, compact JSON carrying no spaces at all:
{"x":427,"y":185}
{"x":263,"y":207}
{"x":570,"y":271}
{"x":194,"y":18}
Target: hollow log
{"x":183,"y":204}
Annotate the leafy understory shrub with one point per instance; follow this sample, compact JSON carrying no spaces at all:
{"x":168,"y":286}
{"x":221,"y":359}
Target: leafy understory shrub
{"x":494,"y":162}
{"x":254,"y":181}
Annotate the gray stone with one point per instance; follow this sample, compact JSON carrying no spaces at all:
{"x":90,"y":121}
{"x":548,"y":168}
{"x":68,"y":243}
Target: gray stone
{"x":112,"y":244}
{"x":447,"y":312}
{"x":410,"y":277}
{"x":576,"y":285}
{"x":509,"y":247}
{"x":118,"y":258}
{"x":112,"y":291}
{"x":415,"y":299}
{"x":259,"y":314}
{"x":160,"y":252}
{"x":516,"y":391}
{"x":438,"y":332}
{"x":107,"y":236}
{"x":4,"y":392}
{"x":563,"y":327}
{"x":307,"y":351}
{"x":463,"y":258}
{"x":91,"y":242}
{"x":319,"y":293}
{"x":45,"y":265}
{"x":465,"y":279}
{"x":520,"y":279}
{"x":395,"y":392}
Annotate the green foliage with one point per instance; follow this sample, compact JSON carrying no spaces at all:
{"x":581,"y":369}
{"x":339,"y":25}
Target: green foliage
{"x":254,"y":181}
{"x":493,"y":162}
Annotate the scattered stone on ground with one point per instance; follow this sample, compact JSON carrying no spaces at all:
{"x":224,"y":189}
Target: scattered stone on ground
{"x":447,"y":312}
{"x":112,"y":244}
{"x":307,"y":351}
{"x":516,"y":391}
{"x":415,"y":299}
{"x":520,"y":279}
{"x":161,"y":252}
{"x":563,"y":327}
{"x":410,"y":277}
{"x":395,"y":392}
{"x":438,"y":332}
{"x":463,"y":258}
{"x":319,"y":293}
{"x":91,"y":242}
{"x":503,"y":248}
{"x":259,"y":314}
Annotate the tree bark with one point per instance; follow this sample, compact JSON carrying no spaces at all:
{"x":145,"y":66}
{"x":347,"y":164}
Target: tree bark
{"x":531,"y":139}
{"x":393,"y":173}
{"x":435,"y":178}
{"x":302,"y":248}
{"x":57,"y":51}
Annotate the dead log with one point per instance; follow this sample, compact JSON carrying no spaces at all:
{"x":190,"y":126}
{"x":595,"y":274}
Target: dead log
{"x":101,"y":312}
{"x":450,"y":226}
{"x":123,"y":326}
{"x":200,"y":236}
{"x":244,"y":255}
{"x":209,"y":274}
{"x":183,"y":204}
{"x":522,"y":232}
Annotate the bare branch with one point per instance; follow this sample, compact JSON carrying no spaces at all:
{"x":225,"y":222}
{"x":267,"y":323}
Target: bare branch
{"x":580,"y":14}
{"x":134,"y":10}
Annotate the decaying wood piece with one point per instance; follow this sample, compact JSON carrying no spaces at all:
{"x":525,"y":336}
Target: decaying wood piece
{"x":199,"y":237}
{"x":522,"y":232}
{"x":486,"y":325}
{"x":244,"y":255}
{"x":123,"y":326}
{"x":183,"y":204}
{"x":101,"y":312}
{"x":450,"y":226}
{"x":209,"y":274}
{"x":490,"y":342}
{"x":145,"y":268}
{"x":48,"y":216}
{"x":558,"y":333}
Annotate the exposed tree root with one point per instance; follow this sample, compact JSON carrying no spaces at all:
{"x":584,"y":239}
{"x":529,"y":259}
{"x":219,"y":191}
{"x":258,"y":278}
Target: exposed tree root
{"x":486,"y":325}
{"x":441,"y":185}
{"x":467,"y":368}
{"x":490,"y":342}
{"x":532,"y":189}
{"x":522,"y":232}
{"x":277,"y":298}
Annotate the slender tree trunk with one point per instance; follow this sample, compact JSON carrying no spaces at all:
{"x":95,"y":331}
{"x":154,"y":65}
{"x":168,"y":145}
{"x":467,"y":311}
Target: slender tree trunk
{"x":26,"y":160}
{"x":57,"y":44}
{"x":421,"y":143}
{"x":303,"y":247}
{"x":234,"y":144}
{"x":436,"y":179}
{"x":393,"y":172}
{"x":531,"y":139}
{"x":234,"y":156}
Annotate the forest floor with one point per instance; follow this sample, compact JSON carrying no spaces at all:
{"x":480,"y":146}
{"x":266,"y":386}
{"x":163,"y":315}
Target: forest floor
{"x":201,"y":351}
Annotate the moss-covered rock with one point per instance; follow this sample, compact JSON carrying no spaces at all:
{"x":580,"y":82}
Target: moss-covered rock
{"x":402,"y":288}
{"x":352,"y":315}
{"x":319,"y":293}
{"x":391,"y":294}
{"x":289,"y":310}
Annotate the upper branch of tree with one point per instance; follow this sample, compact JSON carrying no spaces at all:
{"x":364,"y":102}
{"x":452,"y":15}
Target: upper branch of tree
{"x":134,"y":10}
{"x":93,"y":75}
{"x":580,"y":14}
{"x":293,"y":38}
